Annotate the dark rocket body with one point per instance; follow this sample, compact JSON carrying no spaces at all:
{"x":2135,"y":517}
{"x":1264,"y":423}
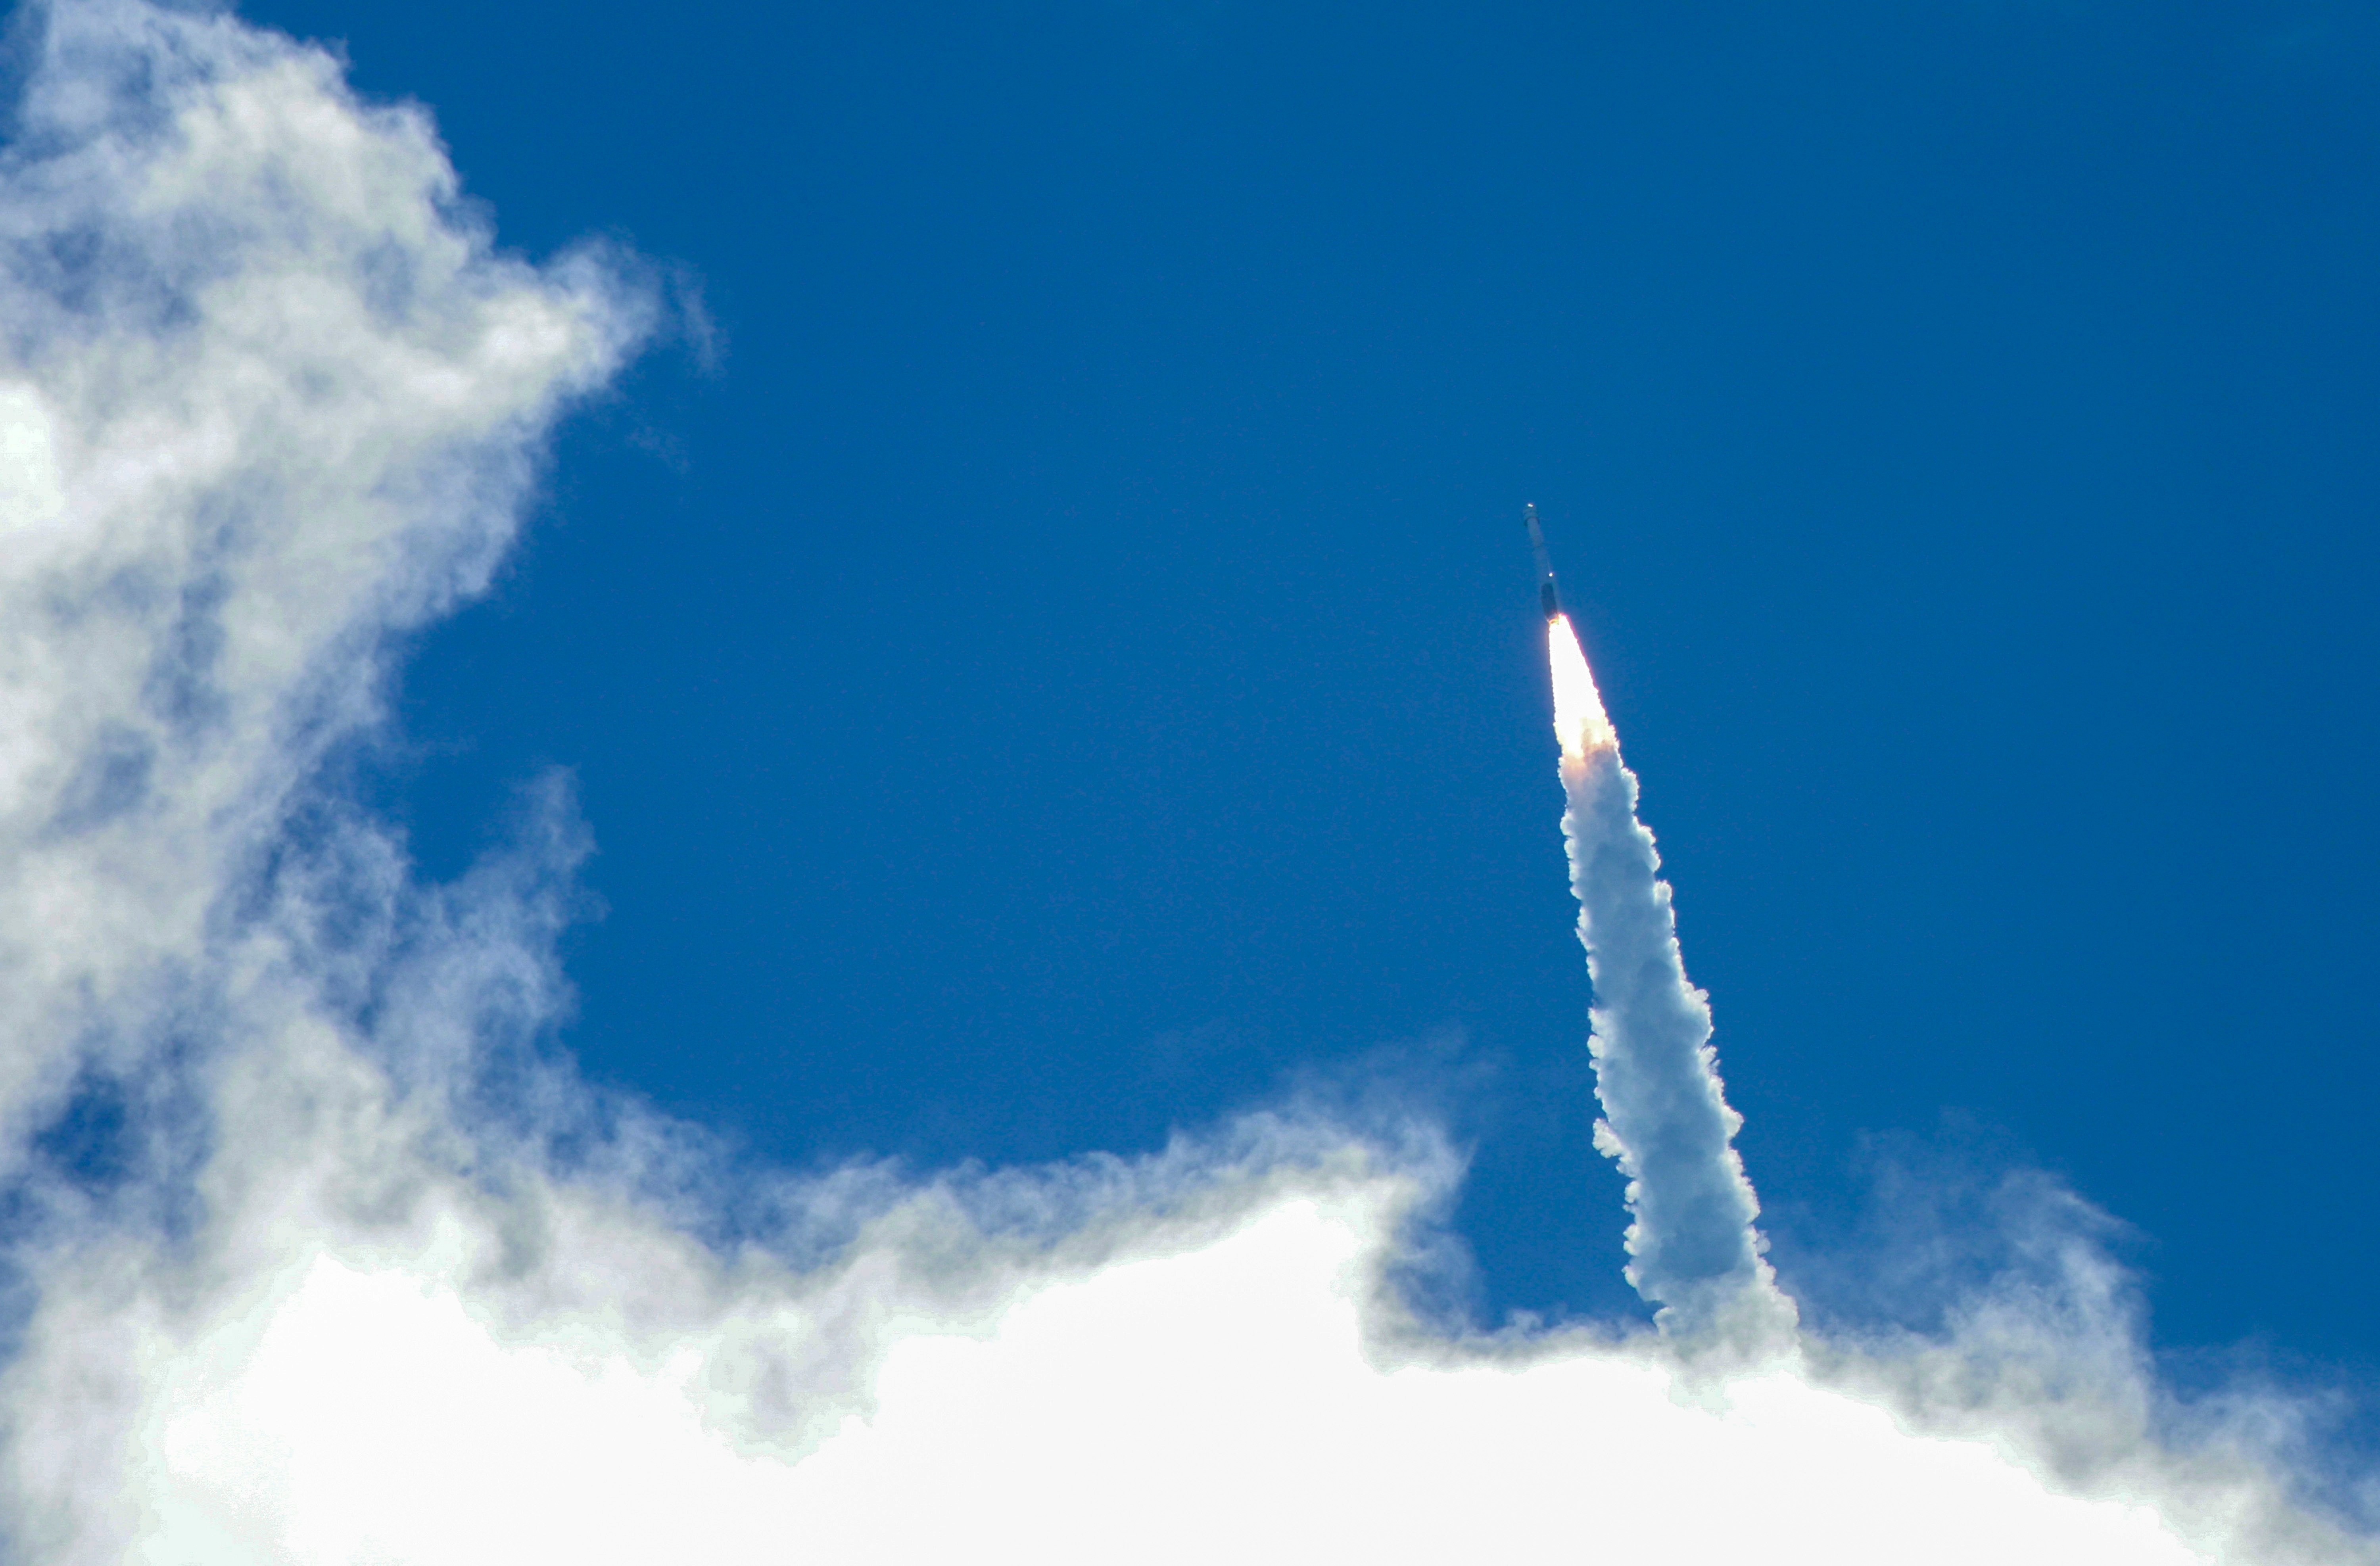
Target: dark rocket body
{"x":1548,"y":593}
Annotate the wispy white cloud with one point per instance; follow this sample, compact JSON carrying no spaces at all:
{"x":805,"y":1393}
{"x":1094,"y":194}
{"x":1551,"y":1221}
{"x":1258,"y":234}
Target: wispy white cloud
{"x":365,"y":1275}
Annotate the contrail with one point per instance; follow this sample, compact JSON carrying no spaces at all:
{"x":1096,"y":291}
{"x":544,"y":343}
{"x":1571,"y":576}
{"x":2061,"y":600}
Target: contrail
{"x":1695,"y":1254}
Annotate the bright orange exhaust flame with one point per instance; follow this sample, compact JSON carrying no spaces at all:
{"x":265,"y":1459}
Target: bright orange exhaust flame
{"x":1579,"y":720}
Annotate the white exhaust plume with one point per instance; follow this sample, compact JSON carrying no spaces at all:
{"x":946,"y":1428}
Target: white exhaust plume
{"x":1694,"y":1251}
{"x":361,"y":1277}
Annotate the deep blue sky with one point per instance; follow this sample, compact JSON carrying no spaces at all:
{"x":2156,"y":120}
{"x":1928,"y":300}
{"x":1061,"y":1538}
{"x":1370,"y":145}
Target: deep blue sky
{"x":1072,"y":661}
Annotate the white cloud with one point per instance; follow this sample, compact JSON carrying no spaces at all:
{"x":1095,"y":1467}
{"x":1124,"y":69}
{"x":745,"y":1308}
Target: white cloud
{"x":374,"y":1284}
{"x":1225,"y":1383}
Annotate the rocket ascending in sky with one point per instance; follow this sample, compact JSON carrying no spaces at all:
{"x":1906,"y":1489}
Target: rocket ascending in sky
{"x":1579,"y":720}
{"x":1694,"y":1251}
{"x":1547,"y":593}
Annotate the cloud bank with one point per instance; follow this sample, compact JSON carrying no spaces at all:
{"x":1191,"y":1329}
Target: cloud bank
{"x":314,"y":1256}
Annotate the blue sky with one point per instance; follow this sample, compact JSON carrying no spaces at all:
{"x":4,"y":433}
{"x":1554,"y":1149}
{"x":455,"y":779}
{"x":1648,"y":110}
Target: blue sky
{"x":1065,"y":668}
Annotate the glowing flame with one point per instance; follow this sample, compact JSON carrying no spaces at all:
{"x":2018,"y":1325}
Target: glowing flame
{"x":1579,"y":720}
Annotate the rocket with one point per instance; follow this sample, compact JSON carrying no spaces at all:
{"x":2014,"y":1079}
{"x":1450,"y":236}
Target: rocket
{"x":1549,"y":594}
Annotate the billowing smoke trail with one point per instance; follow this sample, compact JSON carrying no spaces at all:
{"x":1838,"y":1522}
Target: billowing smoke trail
{"x":1696,"y":1254}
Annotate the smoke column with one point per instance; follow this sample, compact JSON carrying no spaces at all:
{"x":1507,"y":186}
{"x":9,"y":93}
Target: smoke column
{"x":1695,"y":1255}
